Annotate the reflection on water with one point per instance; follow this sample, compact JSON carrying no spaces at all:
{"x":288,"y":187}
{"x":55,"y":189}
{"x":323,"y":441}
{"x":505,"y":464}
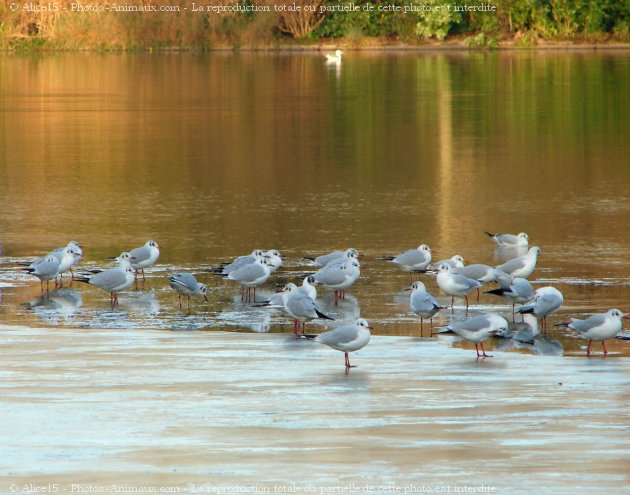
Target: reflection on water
{"x":214,"y":155}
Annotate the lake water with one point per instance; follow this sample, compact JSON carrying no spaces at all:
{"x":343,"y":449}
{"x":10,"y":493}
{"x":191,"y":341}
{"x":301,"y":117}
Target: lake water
{"x":215,"y":155}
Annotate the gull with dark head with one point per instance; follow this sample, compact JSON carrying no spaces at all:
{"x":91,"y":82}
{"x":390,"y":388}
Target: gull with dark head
{"x":185,"y":284}
{"x":423,"y":304}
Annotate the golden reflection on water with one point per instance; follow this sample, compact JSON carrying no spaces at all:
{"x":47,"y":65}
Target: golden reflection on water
{"x":213,"y":155}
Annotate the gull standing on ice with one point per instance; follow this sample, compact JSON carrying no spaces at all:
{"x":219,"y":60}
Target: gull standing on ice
{"x":346,"y":338}
{"x":480,"y":328}
{"x":598,"y":327}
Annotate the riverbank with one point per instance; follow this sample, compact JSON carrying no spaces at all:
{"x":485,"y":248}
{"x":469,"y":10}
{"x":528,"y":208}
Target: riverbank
{"x":24,"y":44}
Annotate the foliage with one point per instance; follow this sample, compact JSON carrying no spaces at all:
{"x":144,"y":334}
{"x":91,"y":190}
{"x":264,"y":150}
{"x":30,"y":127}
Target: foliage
{"x":523,"y":22}
{"x":437,"y":22}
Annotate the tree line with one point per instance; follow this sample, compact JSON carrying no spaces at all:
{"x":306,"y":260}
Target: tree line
{"x":60,"y":24}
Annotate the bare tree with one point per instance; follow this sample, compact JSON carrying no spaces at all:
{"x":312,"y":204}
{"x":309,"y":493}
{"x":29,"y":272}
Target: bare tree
{"x":300,"y":17}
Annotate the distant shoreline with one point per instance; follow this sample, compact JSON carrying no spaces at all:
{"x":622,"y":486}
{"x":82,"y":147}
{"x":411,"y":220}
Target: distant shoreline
{"x":319,"y":46}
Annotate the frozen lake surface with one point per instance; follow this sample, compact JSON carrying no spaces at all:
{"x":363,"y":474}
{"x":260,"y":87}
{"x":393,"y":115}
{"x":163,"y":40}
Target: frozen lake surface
{"x":195,"y":412}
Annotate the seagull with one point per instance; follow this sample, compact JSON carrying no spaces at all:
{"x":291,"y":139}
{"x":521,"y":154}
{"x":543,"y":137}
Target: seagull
{"x":113,"y":280}
{"x":241,"y":261}
{"x":338,"y":278}
{"x":519,"y":291}
{"x":185,"y":284}
{"x":423,"y":304}
{"x":547,"y":300}
{"x":510,"y":240}
{"x":144,"y":257}
{"x":483,"y":274}
{"x":412,"y":260}
{"x":480,"y":328}
{"x":324,"y":259}
{"x":346,"y":338}
{"x":45,"y":269}
{"x":251,"y":276}
{"x":456,"y":261}
{"x":309,"y":289}
{"x":348,"y":256}
{"x":299,"y":305}
{"x":521,"y":266}
{"x":274,"y":258}
{"x":454,"y":284}
{"x":598,"y":327}
{"x":333,"y":58}
{"x":68,"y":256}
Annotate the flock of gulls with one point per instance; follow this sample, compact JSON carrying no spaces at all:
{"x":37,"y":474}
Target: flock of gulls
{"x":338,"y":271}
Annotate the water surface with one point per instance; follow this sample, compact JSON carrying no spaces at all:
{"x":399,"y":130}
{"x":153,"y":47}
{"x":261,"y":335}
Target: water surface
{"x":215,"y":155}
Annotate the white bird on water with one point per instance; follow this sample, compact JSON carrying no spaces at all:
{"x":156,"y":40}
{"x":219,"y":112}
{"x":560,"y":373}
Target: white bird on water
{"x":454,"y":284}
{"x":333,"y":58}
{"x":335,"y":256}
{"x":113,"y":280}
{"x":144,"y":257}
{"x":412,"y":260}
{"x":251,"y":276}
{"x":510,"y":240}
{"x":547,"y":300}
{"x":338,"y":278}
{"x":45,"y":269}
{"x":521,"y":266}
{"x":520,"y":290}
{"x":298,"y":304}
{"x":423,"y":304}
{"x":185,"y":284}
